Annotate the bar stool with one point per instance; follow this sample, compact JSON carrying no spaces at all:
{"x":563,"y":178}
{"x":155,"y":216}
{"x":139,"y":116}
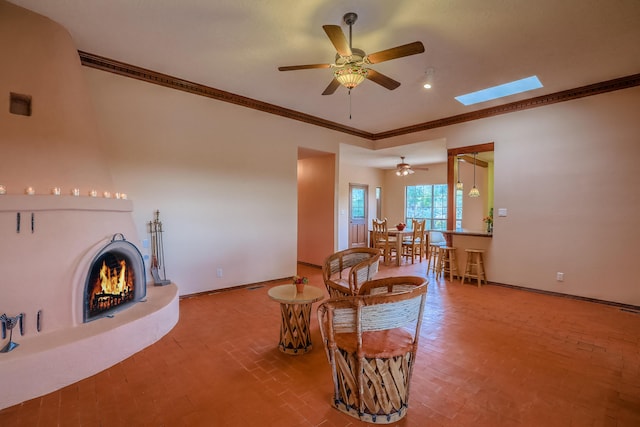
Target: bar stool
{"x":432,"y":255}
{"x":435,"y":239}
{"x":474,"y":269}
{"x":447,"y":262}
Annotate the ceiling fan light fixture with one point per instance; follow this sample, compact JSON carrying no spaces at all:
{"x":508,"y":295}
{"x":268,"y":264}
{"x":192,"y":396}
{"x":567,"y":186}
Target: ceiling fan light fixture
{"x":351,"y":76}
{"x":403,"y":169}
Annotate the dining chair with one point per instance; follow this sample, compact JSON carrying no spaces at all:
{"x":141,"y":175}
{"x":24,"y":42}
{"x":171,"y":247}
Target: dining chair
{"x":371,"y":343}
{"x":381,"y":240}
{"x":414,"y":246}
{"x":345,"y":270}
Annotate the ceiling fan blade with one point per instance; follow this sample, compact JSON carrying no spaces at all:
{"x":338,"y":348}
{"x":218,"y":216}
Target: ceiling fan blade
{"x":396,"y":52}
{"x":303,"y":67}
{"x":338,"y":39}
{"x":335,"y":84}
{"x":382,"y":80}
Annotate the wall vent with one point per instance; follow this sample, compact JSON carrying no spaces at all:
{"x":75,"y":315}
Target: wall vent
{"x":19,"y":104}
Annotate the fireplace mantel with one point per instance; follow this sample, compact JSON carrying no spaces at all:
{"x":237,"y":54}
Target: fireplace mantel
{"x":36,"y":203}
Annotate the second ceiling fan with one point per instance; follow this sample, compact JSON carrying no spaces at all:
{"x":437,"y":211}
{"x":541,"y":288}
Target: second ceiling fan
{"x":351,"y":63}
{"x":404,"y":169}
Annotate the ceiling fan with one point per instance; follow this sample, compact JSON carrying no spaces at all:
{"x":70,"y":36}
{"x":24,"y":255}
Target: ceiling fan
{"x":351,"y":63}
{"x":404,"y":169}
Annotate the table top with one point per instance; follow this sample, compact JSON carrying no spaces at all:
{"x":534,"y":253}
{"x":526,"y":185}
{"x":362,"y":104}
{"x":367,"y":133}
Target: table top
{"x":287,"y":294}
{"x":464,"y":232}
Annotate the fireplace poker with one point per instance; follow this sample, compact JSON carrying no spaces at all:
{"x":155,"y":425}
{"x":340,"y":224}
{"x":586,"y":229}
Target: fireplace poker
{"x":33,"y":222}
{"x":18,"y":222}
{"x":9,"y":323}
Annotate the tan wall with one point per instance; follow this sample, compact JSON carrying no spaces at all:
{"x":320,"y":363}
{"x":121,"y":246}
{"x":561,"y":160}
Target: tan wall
{"x":59,"y":144}
{"x":316,"y":212}
{"x":567,"y":174}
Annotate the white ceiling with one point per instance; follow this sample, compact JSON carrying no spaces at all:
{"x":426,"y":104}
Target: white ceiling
{"x":237,"y":45}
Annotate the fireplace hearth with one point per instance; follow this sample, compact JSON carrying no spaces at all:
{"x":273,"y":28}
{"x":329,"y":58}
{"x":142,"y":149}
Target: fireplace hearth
{"x":115,"y":279}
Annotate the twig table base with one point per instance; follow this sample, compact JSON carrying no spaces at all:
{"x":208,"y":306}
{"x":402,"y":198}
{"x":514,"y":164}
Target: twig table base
{"x":295,"y":310}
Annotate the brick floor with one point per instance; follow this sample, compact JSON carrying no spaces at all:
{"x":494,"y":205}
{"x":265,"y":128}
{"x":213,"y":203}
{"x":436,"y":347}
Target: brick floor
{"x":490,"y":356}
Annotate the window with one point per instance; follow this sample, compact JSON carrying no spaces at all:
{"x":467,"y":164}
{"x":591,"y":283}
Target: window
{"x":428,"y":202}
{"x":459,"y":194}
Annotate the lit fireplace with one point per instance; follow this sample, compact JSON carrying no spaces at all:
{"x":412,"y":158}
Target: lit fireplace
{"x":116,"y":278}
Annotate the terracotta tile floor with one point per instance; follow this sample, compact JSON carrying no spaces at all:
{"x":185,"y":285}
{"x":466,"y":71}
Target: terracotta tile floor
{"x":488,"y":357}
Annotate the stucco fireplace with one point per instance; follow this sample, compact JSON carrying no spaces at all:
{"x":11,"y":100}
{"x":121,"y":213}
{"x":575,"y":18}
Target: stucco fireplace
{"x":48,"y":239}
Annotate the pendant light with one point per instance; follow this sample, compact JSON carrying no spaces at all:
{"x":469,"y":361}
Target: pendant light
{"x":474,"y":191}
{"x":459,"y":185}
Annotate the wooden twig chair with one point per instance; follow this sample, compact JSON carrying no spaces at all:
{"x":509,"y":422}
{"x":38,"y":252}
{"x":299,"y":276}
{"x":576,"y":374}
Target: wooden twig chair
{"x":344,"y":271}
{"x":371,"y":343}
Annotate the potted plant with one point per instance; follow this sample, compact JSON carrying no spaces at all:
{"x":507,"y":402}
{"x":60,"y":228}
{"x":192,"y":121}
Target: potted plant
{"x":300,"y":281}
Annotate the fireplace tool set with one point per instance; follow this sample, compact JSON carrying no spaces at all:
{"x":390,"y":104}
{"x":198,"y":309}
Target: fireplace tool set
{"x":157,"y":251}
{"x":10,"y":323}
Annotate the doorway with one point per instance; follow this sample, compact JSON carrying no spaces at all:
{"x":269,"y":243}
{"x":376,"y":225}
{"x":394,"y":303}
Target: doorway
{"x":358,"y":215}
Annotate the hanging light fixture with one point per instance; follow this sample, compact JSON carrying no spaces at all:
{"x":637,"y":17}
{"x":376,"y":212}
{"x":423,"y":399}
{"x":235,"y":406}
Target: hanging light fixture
{"x":351,"y":75}
{"x":428,"y":81}
{"x":474,"y":191}
{"x":459,"y":185}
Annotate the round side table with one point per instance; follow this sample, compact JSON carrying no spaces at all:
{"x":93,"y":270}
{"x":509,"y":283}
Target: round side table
{"x":295,"y":308}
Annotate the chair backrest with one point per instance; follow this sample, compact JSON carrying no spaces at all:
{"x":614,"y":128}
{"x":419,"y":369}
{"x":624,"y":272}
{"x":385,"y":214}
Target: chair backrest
{"x":391,"y":284}
{"x":379,"y":228}
{"x":380,"y":234}
{"x":418,"y":229}
{"x":373,"y":312}
{"x":354,"y":265}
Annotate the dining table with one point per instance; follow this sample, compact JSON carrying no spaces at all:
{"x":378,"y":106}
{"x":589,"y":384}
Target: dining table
{"x":403,"y":234}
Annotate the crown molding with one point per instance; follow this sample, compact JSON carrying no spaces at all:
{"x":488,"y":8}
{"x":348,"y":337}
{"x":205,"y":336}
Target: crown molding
{"x":149,"y":76}
{"x":539,"y":101}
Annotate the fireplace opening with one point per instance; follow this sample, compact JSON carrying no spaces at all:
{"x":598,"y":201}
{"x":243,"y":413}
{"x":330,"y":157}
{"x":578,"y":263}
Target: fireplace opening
{"x":115,"y":279}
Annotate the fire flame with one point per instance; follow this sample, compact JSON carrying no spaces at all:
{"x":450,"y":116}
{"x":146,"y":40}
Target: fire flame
{"x":111,"y":282}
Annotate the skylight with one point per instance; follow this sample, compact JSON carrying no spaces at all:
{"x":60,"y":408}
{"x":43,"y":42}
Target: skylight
{"x":500,"y":91}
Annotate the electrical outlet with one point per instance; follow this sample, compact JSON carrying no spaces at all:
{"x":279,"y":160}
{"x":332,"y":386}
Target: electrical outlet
{"x":560,"y":276}
{"x":218,"y":272}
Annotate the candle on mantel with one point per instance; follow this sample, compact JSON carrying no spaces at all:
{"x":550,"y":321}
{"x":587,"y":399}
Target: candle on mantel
{"x":55,"y":191}
{"x":93,"y":193}
{"x":75,"y":192}
{"x":3,"y":189}
{"x":30,"y":191}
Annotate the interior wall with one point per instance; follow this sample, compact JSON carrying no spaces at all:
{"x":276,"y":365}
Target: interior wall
{"x":474,"y":209}
{"x":566,"y":174}
{"x":226,"y":191}
{"x":316,"y":210}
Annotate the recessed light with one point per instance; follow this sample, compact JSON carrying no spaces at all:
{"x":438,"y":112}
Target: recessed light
{"x":511,"y":88}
